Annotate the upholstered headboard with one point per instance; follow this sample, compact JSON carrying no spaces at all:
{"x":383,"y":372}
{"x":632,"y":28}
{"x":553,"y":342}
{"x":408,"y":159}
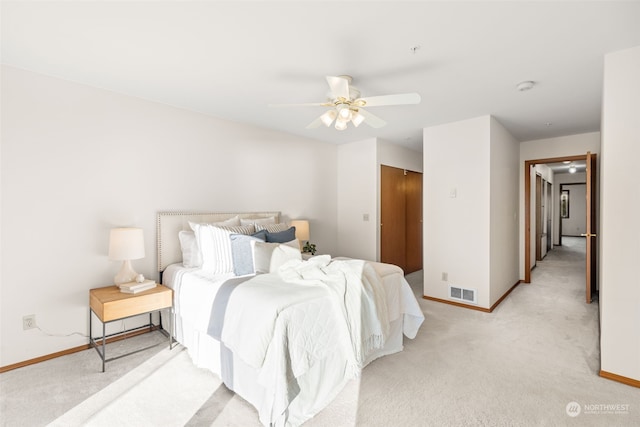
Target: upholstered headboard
{"x":171,"y":223}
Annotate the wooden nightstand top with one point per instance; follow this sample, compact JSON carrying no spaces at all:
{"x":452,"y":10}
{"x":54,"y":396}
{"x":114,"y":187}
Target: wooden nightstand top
{"x":109,"y":303}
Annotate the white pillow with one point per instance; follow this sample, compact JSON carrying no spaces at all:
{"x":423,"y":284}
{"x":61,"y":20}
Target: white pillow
{"x":231,"y":221}
{"x":272,"y":228}
{"x":197,"y":261}
{"x":255,"y":221}
{"x":191,"y":256}
{"x":268,"y":257}
{"x":215,"y":245}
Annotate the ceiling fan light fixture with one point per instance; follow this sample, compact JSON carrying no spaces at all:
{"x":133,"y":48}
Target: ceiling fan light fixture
{"x":328,"y":117}
{"x":356,"y":118}
{"x":346,"y":105}
{"x":344,"y":112}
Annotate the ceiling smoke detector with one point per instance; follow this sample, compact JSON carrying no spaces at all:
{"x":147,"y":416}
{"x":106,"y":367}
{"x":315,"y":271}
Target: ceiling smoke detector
{"x":523,"y":86}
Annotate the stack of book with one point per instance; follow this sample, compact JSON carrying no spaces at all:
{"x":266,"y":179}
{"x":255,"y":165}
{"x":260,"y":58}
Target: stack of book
{"x":135,"y":287}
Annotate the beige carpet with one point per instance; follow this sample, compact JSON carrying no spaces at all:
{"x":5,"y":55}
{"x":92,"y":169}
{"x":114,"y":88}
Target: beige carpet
{"x":522,"y":365}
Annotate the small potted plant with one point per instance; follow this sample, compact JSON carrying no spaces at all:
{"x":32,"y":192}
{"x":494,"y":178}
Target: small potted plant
{"x":309,"y":248}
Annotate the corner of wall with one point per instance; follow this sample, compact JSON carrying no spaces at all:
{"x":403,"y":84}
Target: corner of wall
{"x":619,"y":292}
{"x":456,"y":182}
{"x":504,"y":238}
{"x":357,"y":196}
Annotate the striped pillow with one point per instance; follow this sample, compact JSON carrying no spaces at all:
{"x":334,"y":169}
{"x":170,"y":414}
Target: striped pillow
{"x":255,"y":221}
{"x":272,"y":228}
{"x":215,"y":245}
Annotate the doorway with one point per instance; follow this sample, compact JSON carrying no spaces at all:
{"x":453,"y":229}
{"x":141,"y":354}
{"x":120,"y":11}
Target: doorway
{"x":549,"y":216}
{"x":401,"y":218}
{"x":591,"y":223}
{"x":543,"y":217}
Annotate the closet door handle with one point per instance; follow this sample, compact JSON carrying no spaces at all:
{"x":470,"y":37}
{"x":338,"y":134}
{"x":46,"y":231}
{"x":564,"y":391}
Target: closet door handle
{"x":588,"y":235}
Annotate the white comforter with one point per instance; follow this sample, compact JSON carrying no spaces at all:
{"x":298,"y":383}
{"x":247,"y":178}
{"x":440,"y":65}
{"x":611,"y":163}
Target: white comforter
{"x":349,"y":308}
{"x":257,"y":307}
{"x":283,"y":324}
{"x":357,"y":294}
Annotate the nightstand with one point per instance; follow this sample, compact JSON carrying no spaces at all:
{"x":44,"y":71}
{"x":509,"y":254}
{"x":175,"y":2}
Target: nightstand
{"x":108,"y":304}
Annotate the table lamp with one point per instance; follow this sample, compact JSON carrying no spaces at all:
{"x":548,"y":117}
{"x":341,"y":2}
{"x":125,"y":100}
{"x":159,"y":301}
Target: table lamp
{"x":126,"y":244}
{"x":302,"y":230}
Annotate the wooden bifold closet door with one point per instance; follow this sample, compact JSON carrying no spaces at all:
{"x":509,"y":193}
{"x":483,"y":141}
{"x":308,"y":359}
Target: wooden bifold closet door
{"x":401,"y":218}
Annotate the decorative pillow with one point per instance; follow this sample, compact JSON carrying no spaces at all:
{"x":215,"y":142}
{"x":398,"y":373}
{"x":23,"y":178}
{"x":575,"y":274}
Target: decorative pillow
{"x":227,"y":222}
{"x":191,"y":257}
{"x":272,"y":228}
{"x":241,"y":252}
{"x":256,"y":221}
{"x":215,"y":245}
{"x":281,"y":236}
{"x":268,"y":257}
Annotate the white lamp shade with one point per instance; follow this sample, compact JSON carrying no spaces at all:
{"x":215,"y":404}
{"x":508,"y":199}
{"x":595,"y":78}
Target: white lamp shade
{"x":357,"y":119}
{"x":328,"y":117}
{"x":126,"y":244}
{"x":302,"y":229}
{"x":340,"y":124}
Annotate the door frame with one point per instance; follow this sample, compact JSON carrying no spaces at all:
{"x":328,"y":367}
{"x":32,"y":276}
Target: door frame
{"x":591,"y":232}
{"x":539,"y":226}
{"x":527,"y":205}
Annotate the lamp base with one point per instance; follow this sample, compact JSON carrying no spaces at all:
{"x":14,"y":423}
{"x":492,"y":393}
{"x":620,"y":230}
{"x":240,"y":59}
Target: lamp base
{"x":126,"y":274}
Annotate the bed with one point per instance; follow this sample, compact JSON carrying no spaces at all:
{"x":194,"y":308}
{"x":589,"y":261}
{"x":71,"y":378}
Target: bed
{"x":289,"y":337}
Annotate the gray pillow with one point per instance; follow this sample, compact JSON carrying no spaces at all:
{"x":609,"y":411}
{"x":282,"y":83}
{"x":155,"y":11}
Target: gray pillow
{"x":241,"y":251}
{"x":282,"y":236}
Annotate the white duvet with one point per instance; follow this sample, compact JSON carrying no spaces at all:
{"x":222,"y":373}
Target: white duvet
{"x":349,"y":307}
{"x":282,"y":324}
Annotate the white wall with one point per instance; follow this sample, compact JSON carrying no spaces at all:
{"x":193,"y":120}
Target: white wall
{"x":2,"y":298}
{"x":357,"y":196}
{"x":77,"y":161}
{"x":504,"y":211}
{"x":470,"y":209}
{"x":576,"y":224}
{"x":456,"y":229}
{"x":620,"y":210}
{"x":565,"y":178}
{"x":564,"y":146}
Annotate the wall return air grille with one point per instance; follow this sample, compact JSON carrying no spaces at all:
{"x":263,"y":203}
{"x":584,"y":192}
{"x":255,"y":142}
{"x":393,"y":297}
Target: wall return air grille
{"x":462,"y":294}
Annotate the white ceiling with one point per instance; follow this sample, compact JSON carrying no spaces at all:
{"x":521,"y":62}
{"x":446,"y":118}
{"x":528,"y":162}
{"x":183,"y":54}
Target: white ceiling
{"x":232,"y":59}
{"x":561,"y":167}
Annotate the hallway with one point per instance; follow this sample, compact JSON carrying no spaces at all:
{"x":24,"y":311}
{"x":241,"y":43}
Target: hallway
{"x":564,"y":269}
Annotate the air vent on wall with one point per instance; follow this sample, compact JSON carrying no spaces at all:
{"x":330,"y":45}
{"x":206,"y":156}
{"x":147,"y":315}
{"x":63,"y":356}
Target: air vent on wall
{"x":462,"y":294}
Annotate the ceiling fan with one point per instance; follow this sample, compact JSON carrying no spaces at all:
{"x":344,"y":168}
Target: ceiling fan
{"x":346,"y":105}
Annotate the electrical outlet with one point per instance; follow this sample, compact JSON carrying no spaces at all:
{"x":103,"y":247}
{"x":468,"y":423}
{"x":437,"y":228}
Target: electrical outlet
{"x":445,"y":276}
{"x":29,"y":322}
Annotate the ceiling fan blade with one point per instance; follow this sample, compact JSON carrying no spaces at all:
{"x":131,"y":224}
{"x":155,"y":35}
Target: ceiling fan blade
{"x":315,"y":124}
{"x":339,"y":87}
{"x":397,"y":99}
{"x":371,"y":119}
{"x":310,"y":104}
